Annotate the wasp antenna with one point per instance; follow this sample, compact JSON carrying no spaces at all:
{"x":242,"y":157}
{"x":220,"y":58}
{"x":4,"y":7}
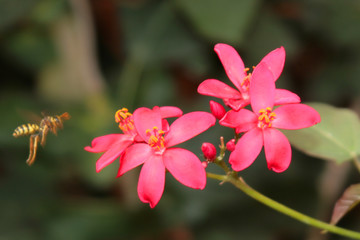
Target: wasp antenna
{"x":65,"y":116}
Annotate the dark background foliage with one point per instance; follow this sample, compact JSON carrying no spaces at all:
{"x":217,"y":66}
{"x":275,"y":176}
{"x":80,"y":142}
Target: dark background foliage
{"x":90,"y":58}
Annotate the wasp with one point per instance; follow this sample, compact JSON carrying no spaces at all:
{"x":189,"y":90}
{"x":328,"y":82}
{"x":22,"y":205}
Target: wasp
{"x":38,"y":132}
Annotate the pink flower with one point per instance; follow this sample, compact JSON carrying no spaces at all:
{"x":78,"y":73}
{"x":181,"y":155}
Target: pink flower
{"x":237,"y":73}
{"x":113,"y":145}
{"x":156,"y":154}
{"x":260,"y":126}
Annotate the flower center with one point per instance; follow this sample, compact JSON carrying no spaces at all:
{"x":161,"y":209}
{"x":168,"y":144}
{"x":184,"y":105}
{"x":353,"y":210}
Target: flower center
{"x":125,"y":121}
{"x":266,"y":117}
{"x":156,"y":139}
{"x":245,"y":84}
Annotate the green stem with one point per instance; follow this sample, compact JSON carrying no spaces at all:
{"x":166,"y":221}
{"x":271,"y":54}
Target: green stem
{"x":240,"y":184}
{"x":219,"y":160}
{"x":217,"y":176}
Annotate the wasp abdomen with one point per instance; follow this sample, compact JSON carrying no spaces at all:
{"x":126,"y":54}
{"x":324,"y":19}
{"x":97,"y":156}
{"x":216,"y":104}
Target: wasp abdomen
{"x":26,"y":129}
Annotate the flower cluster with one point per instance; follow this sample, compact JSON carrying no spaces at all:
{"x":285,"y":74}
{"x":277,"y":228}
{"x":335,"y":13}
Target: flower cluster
{"x":148,"y":139}
{"x":260,"y":125}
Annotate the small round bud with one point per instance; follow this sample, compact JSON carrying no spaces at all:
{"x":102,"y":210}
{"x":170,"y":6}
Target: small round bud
{"x":209,"y":151}
{"x":217,"y":109}
{"x":230,"y":145}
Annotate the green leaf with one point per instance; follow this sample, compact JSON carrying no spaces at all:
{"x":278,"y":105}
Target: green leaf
{"x":348,"y":201}
{"x":221,"y":20}
{"x":335,"y":138}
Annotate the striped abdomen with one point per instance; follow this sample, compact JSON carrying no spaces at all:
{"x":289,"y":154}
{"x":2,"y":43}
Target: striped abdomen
{"x":26,"y":129}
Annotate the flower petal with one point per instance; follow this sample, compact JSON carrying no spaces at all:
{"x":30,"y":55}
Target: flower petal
{"x":283,"y":96}
{"x":236,"y":104}
{"x":243,"y":119}
{"x":103,"y":143}
{"x":275,"y":61}
{"x":165,"y":125}
{"x":232,"y":62}
{"x":246,"y":150}
{"x":188,"y":126}
{"x":277,"y":150}
{"x":295,"y":116}
{"x":152,"y":180}
{"x":110,"y":155}
{"x":144,"y":119}
{"x":186,"y":167}
{"x":169,"y":111}
{"x":133,"y":157}
{"x":216,"y":88}
{"x":262,"y":88}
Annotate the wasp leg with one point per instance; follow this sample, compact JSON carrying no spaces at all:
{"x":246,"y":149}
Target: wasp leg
{"x":54,"y":127}
{"x":44,"y":133}
{"x":34,"y":140}
{"x":31,"y":148}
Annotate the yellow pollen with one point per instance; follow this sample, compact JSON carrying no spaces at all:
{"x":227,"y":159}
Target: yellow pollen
{"x":124,"y":118}
{"x":246,"y":81}
{"x":156,"y":139}
{"x":122,"y":114}
{"x":266,"y":117}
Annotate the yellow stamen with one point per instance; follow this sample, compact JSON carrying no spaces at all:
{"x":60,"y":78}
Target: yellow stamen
{"x":126,"y":123}
{"x":156,"y":139}
{"x":266,"y":117}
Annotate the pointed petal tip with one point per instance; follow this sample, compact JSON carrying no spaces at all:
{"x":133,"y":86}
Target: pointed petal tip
{"x":219,"y":46}
{"x":100,"y":165}
{"x":202,"y":187}
{"x":232,"y":63}
{"x":295,"y":116}
{"x":170,"y":111}
{"x":236,"y":166}
{"x":219,"y":89}
{"x":104,"y":143}
{"x":151,"y":180}
{"x":278,"y":168}
{"x":152,"y":205}
{"x":88,"y":148}
{"x":119,"y":174}
{"x":317,"y":117}
{"x":283,"y":96}
{"x":275,"y":61}
{"x":98,"y":169}
{"x":277,"y":150}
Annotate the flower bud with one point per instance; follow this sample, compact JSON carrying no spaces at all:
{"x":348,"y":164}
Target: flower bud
{"x":209,"y":151}
{"x":217,"y":109}
{"x":230,"y":145}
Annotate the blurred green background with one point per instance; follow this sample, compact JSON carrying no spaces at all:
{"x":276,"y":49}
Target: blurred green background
{"x":92,"y":57}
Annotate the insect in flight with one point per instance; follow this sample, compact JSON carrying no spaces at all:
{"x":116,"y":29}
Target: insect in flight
{"x":38,"y":132}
